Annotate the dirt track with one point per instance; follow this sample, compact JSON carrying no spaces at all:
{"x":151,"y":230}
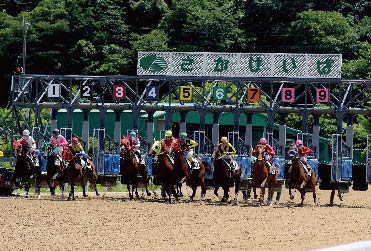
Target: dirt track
{"x":112,"y":222}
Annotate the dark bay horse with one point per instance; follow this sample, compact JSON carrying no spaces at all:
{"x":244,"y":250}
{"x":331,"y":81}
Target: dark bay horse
{"x":26,"y":168}
{"x":130,"y":168}
{"x":225,"y":178}
{"x":171,"y":171}
{"x":261,"y":177}
{"x":300,"y":180}
{"x":55,"y":172}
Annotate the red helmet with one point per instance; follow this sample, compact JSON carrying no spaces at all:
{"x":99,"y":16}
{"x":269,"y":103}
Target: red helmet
{"x":75,"y":140}
{"x":262,"y":141}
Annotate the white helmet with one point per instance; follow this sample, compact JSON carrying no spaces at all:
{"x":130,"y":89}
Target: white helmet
{"x":26,"y":132}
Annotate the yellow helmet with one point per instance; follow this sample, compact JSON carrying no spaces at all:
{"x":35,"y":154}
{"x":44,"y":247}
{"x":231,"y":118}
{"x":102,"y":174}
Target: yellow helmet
{"x":168,"y":133}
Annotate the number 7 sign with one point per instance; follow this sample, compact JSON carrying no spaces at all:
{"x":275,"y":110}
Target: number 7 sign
{"x":253,"y":94}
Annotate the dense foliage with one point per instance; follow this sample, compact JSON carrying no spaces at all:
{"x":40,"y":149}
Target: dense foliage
{"x":103,"y":36}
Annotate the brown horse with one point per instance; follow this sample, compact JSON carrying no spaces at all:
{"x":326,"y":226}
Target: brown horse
{"x":56,"y":171}
{"x":194,"y":177}
{"x":89,"y":173}
{"x":171,"y":171}
{"x":129,"y":169}
{"x":300,"y":180}
{"x":225,"y":178}
{"x":261,"y":177}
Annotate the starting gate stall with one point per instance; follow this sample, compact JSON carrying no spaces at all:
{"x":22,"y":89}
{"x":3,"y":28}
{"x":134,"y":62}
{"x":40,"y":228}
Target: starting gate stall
{"x":107,"y":164}
{"x":204,"y":150}
{"x":341,"y":172}
{"x":278,"y":161}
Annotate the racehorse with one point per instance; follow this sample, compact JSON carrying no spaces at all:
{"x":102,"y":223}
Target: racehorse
{"x":130,"y":168}
{"x":89,"y":173}
{"x":26,"y":168}
{"x":225,"y":177}
{"x":170,"y":172}
{"x":261,"y":177}
{"x":55,"y":170}
{"x":300,"y":180}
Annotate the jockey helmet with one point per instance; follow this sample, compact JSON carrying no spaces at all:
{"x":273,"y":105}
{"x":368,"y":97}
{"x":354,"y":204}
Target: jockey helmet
{"x":262,"y":141}
{"x":132,"y":134}
{"x":299,"y":142}
{"x":75,"y":140}
{"x":183,"y":135}
{"x":26,"y":132}
{"x":224,"y":139}
{"x":55,"y":131}
{"x":168,"y":133}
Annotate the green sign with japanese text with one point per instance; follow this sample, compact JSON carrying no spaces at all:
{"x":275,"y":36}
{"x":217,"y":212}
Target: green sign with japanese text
{"x":240,"y":64}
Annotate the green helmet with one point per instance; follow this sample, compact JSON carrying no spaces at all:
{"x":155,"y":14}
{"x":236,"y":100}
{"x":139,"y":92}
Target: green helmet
{"x":168,"y":133}
{"x":183,"y":135}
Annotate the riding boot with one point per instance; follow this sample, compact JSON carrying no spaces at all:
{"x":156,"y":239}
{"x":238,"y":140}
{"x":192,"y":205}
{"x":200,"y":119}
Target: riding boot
{"x":307,"y":169}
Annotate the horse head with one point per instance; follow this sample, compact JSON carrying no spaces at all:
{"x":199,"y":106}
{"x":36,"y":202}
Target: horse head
{"x":261,"y":150}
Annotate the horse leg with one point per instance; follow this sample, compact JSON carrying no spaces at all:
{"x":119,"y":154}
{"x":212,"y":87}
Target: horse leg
{"x":83,"y":184}
{"x":71,"y":196}
{"x":27,"y":186}
{"x":255,"y":195}
{"x":313,"y":187}
{"x":226,"y":193}
{"x":332,"y":197}
{"x":302,"y":193}
{"x":129,"y":190}
{"x":216,"y":188}
{"x":203,"y":188}
{"x":146,"y":184}
{"x":193,"y":193}
{"x":291,"y":195}
{"x":270,"y":194}
{"x":38,"y":184}
{"x":236,"y":191}
{"x":180,"y":194}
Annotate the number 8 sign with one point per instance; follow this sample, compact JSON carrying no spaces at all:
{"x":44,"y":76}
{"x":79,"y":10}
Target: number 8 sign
{"x":288,"y":95}
{"x":119,"y":91}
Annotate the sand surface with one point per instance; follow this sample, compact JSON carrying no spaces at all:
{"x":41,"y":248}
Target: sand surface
{"x":113,"y":222}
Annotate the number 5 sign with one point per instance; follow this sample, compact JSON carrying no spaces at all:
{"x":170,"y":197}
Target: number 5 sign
{"x":322,"y":95}
{"x":119,"y":91}
{"x":185,"y":93}
{"x":288,"y":95}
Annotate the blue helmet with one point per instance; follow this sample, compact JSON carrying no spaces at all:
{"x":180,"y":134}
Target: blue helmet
{"x":133,"y":134}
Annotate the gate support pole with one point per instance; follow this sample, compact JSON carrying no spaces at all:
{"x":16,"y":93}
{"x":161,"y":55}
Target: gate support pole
{"x":168,"y":118}
{"x":53,"y":120}
{"x":85,"y":130}
{"x":282,"y":135}
{"x":349,"y":134}
{"x":183,"y":125}
{"x":248,"y":132}
{"x":117,"y":130}
{"x":315,"y":135}
{"x":150,"y":128}
{"x":215,"y":135}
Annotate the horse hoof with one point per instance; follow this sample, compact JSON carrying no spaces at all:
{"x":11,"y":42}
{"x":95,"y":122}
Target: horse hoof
{"x":291,"y":197}
{"x":39,"y":197}
{"x":149,"y":194}
{"x":235,"y":202}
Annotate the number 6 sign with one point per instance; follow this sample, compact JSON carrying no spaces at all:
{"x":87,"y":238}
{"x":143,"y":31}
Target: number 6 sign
{"x":288,"y":95}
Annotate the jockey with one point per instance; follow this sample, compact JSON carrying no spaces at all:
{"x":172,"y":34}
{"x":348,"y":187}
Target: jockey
{"x":134,"y":143}
{"x":226,"y":149}
{"x":268,"y":152}
{"x":156,"y":149}
{"x":28,"y":141}
{"x":58,"y":141}
{"x":187,"y":145}
{"x":77,"y":149}
{"x":169,"y":140}
{"x":303,"y":151}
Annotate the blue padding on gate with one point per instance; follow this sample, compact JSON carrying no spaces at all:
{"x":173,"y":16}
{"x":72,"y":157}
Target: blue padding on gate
{"x":313,"y":163}
{"x":149,"y":165}
{"x":111,"y":164}
{"x":279,"y":163}
{"x":346,"y":170}
{"x":209,"y":170}
{"x":44,"y":161}
{"x":245,"y":164}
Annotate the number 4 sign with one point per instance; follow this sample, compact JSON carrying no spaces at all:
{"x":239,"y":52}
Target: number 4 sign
{"x":288,"y":95}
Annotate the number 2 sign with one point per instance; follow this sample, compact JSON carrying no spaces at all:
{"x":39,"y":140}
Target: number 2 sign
{"x":288,"y":95}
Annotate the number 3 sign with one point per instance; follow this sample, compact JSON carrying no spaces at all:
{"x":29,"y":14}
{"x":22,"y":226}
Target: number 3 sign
{"x":288,"y":95}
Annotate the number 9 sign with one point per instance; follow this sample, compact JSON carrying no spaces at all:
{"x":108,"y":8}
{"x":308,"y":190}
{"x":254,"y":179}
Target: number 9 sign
{"x":322,"y":95}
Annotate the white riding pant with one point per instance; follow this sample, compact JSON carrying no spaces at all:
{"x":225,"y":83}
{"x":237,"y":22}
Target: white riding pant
{"x":189,"y":154}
